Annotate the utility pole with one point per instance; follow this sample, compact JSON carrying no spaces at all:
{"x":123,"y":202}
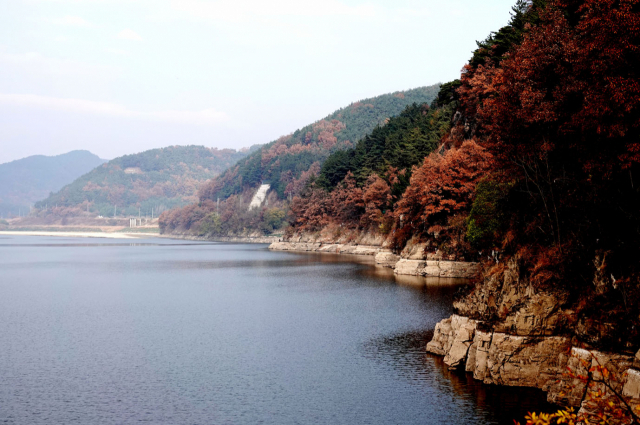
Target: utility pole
{"x":151,"y":213}
{"x":218,"y":206}
{"x":114,"y":211}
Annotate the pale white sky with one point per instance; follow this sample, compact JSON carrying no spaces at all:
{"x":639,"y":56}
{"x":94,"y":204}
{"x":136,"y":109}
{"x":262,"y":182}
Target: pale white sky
{"x":122,"y":76}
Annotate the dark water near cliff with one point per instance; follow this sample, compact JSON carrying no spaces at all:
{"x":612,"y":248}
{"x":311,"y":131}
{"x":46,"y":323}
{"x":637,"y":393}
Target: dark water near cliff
{"x":167,"y":332}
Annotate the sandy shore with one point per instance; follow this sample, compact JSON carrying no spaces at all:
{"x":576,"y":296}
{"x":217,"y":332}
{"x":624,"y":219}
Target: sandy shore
{"x":113,"y":235}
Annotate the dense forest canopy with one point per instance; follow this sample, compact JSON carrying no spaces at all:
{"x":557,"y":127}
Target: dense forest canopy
{"x":540,"y":165}
{"x":402,"y":142}
{"x":157,"y":179}
{"x":283,"y":162}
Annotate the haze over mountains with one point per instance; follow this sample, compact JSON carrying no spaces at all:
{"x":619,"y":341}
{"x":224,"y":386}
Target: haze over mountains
{"x":26,"y":181}
{"x":157,"y":180}
{"x":145,"y":183}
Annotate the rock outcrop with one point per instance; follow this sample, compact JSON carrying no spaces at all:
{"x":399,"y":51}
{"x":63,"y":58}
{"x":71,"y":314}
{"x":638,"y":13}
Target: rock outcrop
{"x":331,"y":248}
{"x":452,"y":338}
{"x":507,"y":332}
{"x":386,"y":258}
{"x":437,"y":268}
{"x":570,"y":375}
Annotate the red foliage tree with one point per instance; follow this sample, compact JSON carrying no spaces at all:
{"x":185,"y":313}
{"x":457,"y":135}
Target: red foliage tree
{"x":310,"y":212}
{"x":346,"y":203}
{"x":376,"y":197}
{"x":441,"y":188}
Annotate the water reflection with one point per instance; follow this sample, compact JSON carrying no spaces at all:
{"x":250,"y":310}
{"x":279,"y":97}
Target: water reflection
{"x":406,"y":353}
{"x":97,"y":244}
{"x":171,"y":332}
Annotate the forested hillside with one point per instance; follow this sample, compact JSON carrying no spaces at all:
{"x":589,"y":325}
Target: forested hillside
{"x":402,"y":142}
{"x":283,"y":162}
{"x":150,"y":181}
{"x":287,"y":164}
{"x":416,"y":176}
{"x":26,"y":181}
{"x":540,"y":166}
{"x":529,"y":162}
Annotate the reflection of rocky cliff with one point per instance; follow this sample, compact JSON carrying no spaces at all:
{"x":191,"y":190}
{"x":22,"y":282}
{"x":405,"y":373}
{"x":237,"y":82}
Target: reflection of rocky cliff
{"x":508,"y":332}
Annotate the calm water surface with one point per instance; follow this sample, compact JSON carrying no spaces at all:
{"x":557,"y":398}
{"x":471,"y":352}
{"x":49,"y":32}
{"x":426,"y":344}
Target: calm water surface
{"x":96,"y":331}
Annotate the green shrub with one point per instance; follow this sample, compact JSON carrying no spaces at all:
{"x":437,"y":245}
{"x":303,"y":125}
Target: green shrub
{"x":487,"y":218}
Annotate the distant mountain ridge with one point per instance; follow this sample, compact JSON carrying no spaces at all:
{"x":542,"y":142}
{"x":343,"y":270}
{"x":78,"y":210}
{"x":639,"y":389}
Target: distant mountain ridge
{"x":287,"y":165}
{"x":28,"y":180}
{"x":146,"y":182}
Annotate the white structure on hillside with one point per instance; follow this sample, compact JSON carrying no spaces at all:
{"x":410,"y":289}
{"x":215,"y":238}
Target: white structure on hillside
{"x":259,"y":197}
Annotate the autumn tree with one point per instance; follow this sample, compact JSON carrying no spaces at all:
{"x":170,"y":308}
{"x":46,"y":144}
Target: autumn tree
{"x":440,"y":189}
{"x":346,"y":202}
{"x":376,"y":196}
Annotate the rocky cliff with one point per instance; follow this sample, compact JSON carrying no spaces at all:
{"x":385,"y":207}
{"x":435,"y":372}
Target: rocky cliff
{"x":509,"y":332}
{"x":414,"y":260}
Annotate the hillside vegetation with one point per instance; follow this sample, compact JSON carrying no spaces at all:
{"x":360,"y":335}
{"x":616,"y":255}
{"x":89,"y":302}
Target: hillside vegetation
{"x":286,"y":164}
{"x":149,"y":182}
{"x":26,"y":181}
{"x":540,"y":166}
{"x":283,"y":162}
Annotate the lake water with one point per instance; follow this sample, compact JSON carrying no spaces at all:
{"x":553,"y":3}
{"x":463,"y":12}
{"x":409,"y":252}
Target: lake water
{"x":97,"y":331}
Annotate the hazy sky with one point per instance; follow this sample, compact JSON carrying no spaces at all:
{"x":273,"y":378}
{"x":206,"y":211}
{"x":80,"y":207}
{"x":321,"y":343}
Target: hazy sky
{"x":122,"y":76}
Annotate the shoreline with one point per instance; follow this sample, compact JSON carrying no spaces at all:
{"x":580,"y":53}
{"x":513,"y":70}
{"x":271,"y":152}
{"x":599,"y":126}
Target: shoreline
{"x":414,"y":265}
{"x":72,"y":234}
{"x":136,"y":235}
{"x":227,"y":239}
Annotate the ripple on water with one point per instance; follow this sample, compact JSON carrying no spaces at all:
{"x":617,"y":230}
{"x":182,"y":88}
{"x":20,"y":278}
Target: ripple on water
{"x":406,"y":352}
{"x":166,"y":332}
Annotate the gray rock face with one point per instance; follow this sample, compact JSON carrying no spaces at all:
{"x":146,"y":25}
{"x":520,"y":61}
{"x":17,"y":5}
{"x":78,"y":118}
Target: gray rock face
{"x":570,"y":375}
{"x":528,"y":362}
{"x":414,"y":251}
{"x":442,"y":338}
{"x":452,"y":339}
{"x":515,"y":305}
{"x":499,"y":358}
{"x":570,"y":389}
{"x":435,"y":268}
{"x":325,"y":247}
{"x":527,"y":336}
{"x":410,"y":267}
{"x":387,"y":259}
{"x":479,"y":355}
{"x":632,"y":384}
{"x":540,"y":315}
{"x":462,"y":340}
